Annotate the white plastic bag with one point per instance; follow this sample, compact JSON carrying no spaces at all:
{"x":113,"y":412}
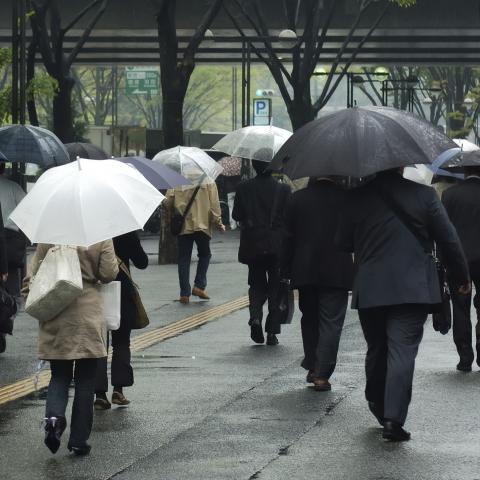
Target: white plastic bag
{"x":111,"y":301}
{"x":56,"y":285}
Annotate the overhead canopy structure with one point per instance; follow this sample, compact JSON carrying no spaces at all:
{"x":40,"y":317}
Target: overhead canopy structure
{"x":433,"y":32}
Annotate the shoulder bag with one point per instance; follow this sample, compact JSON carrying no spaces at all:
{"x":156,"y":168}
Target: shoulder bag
{"x":56,"y":285}
{"x":140,"y":319}
{"x":111,"y":303}
{"x":8,"y":310}
{"x":178,"y":219}
{"x":441,"y":312}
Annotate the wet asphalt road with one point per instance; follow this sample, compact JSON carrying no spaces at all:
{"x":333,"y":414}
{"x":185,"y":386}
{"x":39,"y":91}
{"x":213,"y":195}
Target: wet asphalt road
{"x":210,"y":405}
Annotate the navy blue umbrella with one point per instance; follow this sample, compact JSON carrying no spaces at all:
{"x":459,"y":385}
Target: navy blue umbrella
{"x":160,"y":176}
{"x":27,"y":144}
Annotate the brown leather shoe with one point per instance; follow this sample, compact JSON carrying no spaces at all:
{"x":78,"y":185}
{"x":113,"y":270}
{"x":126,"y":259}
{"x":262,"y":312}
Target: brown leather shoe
{"x":119,"y":399}
{"x":184,"y":300}
{"x":198,"y":292}
{"x":321,"y":385}
{"x":101,"y":404}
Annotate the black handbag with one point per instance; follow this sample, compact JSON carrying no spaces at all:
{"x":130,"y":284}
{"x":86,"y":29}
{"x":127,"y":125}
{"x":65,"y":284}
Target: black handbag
{"x":178,"y":219}
{"x":441,"y":312}
{"x":285,"y":302}
{"x":8,"y":310}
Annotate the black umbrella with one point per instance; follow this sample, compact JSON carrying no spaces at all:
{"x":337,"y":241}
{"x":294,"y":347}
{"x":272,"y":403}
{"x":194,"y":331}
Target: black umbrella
{"x":27,"y":144}
{"x":3,"y":158}
{"x":85,"y":150}
{"x":358,"y":142}
{"x":469,"y":159}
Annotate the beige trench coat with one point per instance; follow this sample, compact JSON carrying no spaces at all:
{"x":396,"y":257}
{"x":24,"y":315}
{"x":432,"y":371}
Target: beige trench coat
{"x":80,"y":330}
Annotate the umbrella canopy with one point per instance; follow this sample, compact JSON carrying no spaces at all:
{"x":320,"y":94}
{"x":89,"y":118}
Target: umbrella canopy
{"x":27,"y":144}
{"x":255,"y":142}
{"x":232,"y":166}
{"x":158,"y":175}
{"x":359,"y":142}
{"x":86,"y":202}
{"x":465,"y":145}
{"x":3,"y":158}
{"x":190,"y":162}
{"x":85,"y":150}
{"x":469,"y":159}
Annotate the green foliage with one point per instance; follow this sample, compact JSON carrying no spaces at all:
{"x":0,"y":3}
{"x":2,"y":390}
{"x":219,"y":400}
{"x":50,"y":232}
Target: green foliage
{"x":405,"y":3}
{"x":5,"y":88}
{"x":42,"y":84}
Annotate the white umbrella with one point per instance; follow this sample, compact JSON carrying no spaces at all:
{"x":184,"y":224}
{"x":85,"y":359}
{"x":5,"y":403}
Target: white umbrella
{"x":254,"y":142}
{"x":86,"y":202}
{"x":465,"y":145}
{"x":191,"y":162}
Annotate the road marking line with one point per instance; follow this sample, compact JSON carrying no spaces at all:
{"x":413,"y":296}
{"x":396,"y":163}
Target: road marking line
{"x":26,"y":386}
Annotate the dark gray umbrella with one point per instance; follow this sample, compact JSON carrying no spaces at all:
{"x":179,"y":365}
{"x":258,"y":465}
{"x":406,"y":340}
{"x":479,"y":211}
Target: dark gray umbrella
{"x":160,"y":176}
{"x":358,"y":142}
{"x":27,"y":144}
{"x":85,"y":150}
{"x":3,"y":158}
{"x":469,"y":159}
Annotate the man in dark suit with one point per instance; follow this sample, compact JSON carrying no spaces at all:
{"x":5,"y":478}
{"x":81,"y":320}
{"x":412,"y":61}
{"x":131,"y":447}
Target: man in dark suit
{"x":260,"y":209}
{"x":462,"y":202}
{"x":321,"y":272}
{"x":396,"y":283}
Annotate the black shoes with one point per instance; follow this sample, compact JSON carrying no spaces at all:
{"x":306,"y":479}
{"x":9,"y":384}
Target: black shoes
{"x":80,"y":451}
{"x":256,"y":332}
{"x":54,"y":428}
{"x":394,"y":432}
{"x":272,"y":339}
{"x":310,"y":376}
{"x":464,"y":366}
{"x":377,"y":413}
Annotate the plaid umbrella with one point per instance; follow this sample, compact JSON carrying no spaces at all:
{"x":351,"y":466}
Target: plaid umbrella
{"x":232,"y":166}
{"x":27,"y":144}
{"x":85,"y":150}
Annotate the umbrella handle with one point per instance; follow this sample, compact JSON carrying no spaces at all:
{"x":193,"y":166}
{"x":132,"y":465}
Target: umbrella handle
{"x":78,"y":163}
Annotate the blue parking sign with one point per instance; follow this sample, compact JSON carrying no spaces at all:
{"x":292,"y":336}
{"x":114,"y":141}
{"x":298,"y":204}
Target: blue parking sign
{"x":262,"y":111}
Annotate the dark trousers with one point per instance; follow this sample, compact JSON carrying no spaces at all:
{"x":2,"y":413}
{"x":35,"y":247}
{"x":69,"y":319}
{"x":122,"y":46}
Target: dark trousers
{"x":121,"y":368}
{"x":185,"y":247}
{"x":462,"y":323}
{"x":264,"y":281}
{"x":323,"y":313}
{"x":393,"y":335}
{"x":83,"y":371}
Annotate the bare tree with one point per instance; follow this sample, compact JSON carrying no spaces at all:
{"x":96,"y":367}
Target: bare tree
{"x":57,"y":61}
{"x":294,"y":84}
{"x":177,"y":69}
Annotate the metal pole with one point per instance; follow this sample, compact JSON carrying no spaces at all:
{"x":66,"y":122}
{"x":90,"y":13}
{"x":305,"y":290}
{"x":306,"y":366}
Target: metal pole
{"x":22,"y":58}
{"x":244,"y":124}
{"x":15,"y":41}
{"x":249,"y":90}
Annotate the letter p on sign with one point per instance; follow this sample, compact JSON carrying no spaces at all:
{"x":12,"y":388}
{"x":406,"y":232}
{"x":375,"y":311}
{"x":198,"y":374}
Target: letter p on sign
{"x":262,"y":111}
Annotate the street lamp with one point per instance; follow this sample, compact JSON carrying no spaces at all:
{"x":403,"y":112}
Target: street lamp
{"x":287,"y":38}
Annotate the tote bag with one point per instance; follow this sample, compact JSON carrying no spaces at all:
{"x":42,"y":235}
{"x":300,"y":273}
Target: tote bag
{"x":56,"y":285}
{"x":111,"y":301}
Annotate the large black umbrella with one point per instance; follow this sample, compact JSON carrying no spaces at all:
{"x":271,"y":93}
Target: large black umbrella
{"x":85,"y":150}
{"x":358,"y":142}
{"x":27,"y":144}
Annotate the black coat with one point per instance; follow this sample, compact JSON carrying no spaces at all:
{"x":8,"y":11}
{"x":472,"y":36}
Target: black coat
{"x":3,"y":248}
{"x":462,"y":203}
{"x":392,"y":267}
{"x":262,"y":232}
{"x":129,"y":249}
{"x":310,"y":255}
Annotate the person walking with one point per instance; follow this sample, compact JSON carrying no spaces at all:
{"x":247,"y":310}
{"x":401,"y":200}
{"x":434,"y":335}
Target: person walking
{"x":462,"y":202}
{"x":204,"y":214}
{"x":128,"y":249}
{"x":11,"y":194}
{"x":321,"y":272}
{"x":390,"y":224}
{"x":73,"y":342}
{"x":259,"y":207}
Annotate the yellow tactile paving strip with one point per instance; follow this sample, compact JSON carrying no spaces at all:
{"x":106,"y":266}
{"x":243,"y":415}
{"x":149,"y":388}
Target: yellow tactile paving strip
{"x":27,"y":386}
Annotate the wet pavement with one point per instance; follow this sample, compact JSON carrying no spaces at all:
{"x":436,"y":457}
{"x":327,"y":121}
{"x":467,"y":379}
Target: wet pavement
{"x":211,"y":405}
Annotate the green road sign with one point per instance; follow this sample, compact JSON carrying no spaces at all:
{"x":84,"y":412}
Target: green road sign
{"x":142,"y":80}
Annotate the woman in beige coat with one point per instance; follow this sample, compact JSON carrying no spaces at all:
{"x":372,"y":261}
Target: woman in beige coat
{"x":73,"y":342}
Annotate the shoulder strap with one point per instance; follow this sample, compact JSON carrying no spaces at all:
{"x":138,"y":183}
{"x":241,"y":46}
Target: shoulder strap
{"x":192,"y":198}
{"x":274,"y":205}
{"x":126,"y":271}
{"x":404,"y":217}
